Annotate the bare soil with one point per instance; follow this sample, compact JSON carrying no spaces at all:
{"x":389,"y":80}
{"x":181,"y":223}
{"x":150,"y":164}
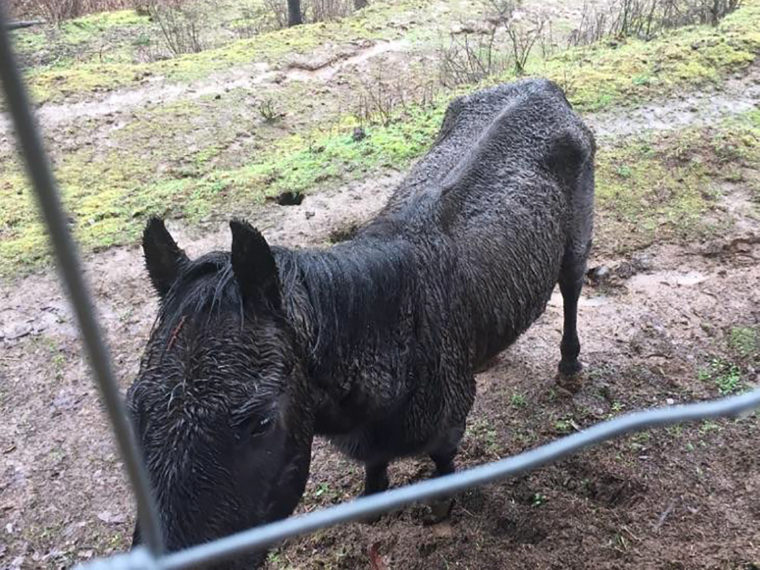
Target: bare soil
{"x":679,"y":498}
{"x":658,"y":330}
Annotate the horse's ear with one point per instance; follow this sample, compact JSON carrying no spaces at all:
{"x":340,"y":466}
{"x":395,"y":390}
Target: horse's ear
{"x":254,"y":265}
{"x":163,"y":258}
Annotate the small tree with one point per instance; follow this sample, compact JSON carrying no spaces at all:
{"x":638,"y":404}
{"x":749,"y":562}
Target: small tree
{"x":294,"y":13}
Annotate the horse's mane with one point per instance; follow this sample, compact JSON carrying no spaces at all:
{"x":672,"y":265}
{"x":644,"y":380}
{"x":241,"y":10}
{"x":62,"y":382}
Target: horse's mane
{"x":203,"y":290}
{"x":334,"y":297}
{"x":348,"y":292}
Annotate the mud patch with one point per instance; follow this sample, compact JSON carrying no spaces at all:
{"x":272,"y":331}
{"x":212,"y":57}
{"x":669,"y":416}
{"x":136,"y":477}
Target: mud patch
{"x":734,"y":96}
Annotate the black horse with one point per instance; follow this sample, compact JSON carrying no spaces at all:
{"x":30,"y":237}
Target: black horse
{"x":373,"y":342}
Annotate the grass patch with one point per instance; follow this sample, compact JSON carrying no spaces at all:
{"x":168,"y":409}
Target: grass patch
{"x":598,"y":76}
{"x":645,"y":188}
{"x":660,"y":186}
{"x":78,"y":80}
{"x":724,"y":374}
{"x":665,"y":186}
{"x":745,"y":341}
{"x":595,"y":77}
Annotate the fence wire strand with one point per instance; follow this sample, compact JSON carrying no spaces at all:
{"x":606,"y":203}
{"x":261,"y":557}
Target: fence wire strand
{"x":152,"y":557}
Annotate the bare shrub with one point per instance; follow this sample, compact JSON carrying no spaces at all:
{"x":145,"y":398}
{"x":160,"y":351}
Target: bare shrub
{"x":378,"y":97}
{"x":327,"y":10}
{"x":278,"y":11}
{"x":646,"y":18}
{"x":382,"y":96}
{"x":500,"y":12}
{"x":269,"y":111}
{"x":523,"y":35}
{"x":56,"y":11}
{"x":469,"y":59}
{"x":180,"y":25}
{"x":591,"y":29}
{"x":507,"y":41}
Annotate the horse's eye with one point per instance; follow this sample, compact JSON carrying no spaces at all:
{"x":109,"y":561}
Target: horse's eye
{"x":260,"y":427}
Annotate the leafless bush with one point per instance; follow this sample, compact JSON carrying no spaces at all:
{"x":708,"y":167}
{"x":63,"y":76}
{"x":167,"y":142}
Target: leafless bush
{"x":591,"y":29}
{"x":470,"y":58}
{"x":269,"y":111}
{"x":57,"y":11}
{"x":327,"y":10}
{"x":378,"y":97}
{"x":278,"y":11}
{"x":180,"y":25}
{"x":507,"y":41}
{"x":499,"y":12}
{"x":523,"y":35}
{"x":382,"y":96}
{"x":646,"y":18}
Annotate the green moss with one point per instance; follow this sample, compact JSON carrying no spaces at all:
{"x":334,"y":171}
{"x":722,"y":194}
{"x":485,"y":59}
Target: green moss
{"x":745,"y":341}
{"x":666,"y":187}
{"x":96,"y":38}
{"x":599,"y":76}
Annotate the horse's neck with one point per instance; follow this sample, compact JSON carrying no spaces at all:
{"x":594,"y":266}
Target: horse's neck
{"x":341,"y":298}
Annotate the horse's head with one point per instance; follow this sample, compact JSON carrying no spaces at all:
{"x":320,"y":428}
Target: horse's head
{"x":220,"y":407}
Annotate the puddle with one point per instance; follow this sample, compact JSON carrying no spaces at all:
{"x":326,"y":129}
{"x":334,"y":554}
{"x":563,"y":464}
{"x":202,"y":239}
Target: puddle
{"x":699,"y":108}
{"x":652,"y":282}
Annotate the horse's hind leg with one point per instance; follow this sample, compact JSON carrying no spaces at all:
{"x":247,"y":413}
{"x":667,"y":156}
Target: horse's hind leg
{"x":375,"y":481}
{"x":570,"y":285}
{"x":573,"y":270}
{"x":375,"y":478}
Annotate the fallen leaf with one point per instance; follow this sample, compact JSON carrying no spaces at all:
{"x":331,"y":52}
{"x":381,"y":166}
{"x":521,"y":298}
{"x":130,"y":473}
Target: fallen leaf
{"x":109,"y":518}
{"x":443,"y":530}
{"x":376,"y":561}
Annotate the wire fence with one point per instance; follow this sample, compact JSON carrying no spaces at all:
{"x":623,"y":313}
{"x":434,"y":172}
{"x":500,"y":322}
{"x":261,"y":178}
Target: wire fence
{"x":152,"y":556}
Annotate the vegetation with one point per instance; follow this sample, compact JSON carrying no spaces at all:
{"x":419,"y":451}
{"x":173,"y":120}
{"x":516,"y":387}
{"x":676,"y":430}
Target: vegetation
{"x":646,"y":186}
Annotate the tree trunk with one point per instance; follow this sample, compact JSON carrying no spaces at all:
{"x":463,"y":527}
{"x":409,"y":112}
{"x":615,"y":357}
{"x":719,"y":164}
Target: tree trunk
{"x":359,"y":4}
{"x":294,"y":13}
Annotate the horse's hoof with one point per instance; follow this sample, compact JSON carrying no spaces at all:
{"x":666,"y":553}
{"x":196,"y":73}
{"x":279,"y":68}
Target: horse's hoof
{"x":569,"y":369}
{"x":438,"y":511}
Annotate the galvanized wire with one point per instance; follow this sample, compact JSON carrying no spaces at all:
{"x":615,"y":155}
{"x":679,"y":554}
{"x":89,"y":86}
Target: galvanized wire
{"x":153,"y":558}
{"x":38,"y":168}
{"x":266,"y":535}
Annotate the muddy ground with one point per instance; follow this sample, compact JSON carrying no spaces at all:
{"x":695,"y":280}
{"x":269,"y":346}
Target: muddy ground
{"x":671,"y":323}
{"x":680,"y":498}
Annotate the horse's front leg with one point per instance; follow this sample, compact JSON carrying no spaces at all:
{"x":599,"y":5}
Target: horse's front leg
{"x":375,"y":481}
{"x":443,"y":457}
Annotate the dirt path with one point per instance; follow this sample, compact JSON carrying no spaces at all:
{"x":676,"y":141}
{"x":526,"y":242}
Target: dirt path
{"x":320,"y":67}
{"x":735,"y":95}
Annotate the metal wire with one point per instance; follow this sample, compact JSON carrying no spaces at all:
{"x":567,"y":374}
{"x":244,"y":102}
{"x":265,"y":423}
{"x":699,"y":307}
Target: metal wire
{"x":38,"y":168}
{"x":259,"y":537}
{"x":262,"y":536}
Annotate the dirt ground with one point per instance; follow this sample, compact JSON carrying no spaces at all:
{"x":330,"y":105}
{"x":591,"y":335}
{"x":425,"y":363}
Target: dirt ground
{"x":680,"y":498}
{"x":672,"y":323}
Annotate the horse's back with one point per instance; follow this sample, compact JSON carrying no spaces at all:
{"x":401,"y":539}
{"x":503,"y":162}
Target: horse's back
{"x":495,"y":136}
